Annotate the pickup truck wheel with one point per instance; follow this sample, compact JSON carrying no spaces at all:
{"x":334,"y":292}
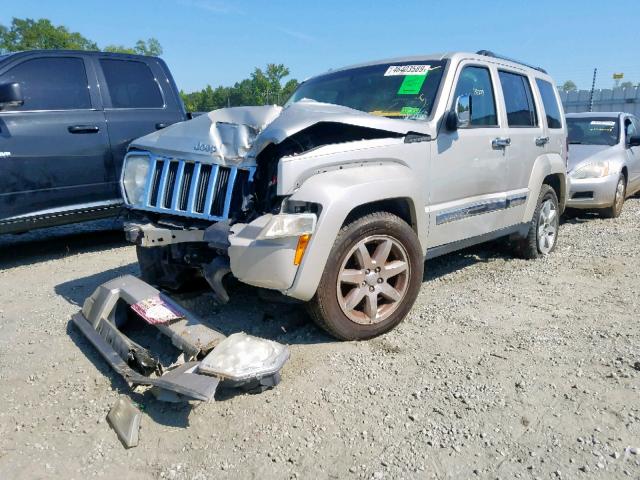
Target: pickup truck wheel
{"x":615,"y":209}
{"x":542,"y":237}
{"x":156,"y":269}
{"x":371,"y":280}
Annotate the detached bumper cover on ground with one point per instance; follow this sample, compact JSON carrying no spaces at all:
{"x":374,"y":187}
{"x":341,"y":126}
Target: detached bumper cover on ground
{"x":108,"y":308}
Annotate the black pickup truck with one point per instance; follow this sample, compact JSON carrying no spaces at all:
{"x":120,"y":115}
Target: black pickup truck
{"x":66,"y":118}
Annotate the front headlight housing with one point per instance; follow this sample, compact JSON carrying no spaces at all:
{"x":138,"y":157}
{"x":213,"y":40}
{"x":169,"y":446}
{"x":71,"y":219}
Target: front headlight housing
{"x":591,"y":170}
{"x":134,"y":177}
{"x":289,"y":225}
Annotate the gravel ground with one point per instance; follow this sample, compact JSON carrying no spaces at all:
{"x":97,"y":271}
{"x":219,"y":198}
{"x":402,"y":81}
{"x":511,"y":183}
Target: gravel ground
{"x":504,"y":368}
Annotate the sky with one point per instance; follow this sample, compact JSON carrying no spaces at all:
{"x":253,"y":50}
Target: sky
{"x":219,"y":42}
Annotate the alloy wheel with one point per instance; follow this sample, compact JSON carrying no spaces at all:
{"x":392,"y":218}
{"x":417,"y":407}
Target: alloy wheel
{"x":548,"y":221}
{"x":373,"y":279}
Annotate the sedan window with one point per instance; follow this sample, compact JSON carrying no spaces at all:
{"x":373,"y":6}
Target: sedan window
{"x":593,"y":130}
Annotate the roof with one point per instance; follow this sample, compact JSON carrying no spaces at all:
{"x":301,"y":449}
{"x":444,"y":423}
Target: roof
{"x":595,"y":114}
{"x":445,"y":56}
{"x":63,"y":52}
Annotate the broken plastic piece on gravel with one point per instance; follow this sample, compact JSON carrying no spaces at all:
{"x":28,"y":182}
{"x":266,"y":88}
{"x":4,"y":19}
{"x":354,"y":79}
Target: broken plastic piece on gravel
{"x":124,"y":417}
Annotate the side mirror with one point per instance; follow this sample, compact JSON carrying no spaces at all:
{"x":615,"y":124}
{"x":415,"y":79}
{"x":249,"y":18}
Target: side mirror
{"x":460,"y":116}
{"x":10,"y":95}
{"x":634,"y":141}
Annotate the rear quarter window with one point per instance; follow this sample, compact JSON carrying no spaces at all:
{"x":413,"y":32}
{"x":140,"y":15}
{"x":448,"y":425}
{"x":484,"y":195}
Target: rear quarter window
{"x":550,"y":103}
{"x":131,"y":84}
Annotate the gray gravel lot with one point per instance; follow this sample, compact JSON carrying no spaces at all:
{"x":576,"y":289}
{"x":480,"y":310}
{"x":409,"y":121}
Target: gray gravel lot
{"x":504,"y":369}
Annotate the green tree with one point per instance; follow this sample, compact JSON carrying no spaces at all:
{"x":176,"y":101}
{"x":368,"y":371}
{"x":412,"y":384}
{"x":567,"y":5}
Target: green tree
{"x":29,"y":34}
{"x":41,"y":34}
{"x":150,"y":47}
{"x":627,"y":85}
{"x":569,"y":86}
{"x":263,"y":87}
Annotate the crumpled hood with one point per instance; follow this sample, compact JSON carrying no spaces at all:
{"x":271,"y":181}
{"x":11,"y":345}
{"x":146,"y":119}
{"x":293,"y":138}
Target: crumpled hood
{"x":234,"y":135}
{"x":592,"y":153}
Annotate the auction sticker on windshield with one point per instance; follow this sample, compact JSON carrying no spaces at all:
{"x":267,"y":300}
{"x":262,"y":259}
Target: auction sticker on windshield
{"x":407,"y":70}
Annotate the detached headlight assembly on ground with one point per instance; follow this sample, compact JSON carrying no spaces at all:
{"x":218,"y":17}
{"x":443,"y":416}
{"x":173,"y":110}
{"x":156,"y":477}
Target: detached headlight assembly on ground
{"x":242,"y":359}
{"x":289,"y":225}
{"x":591,"y":170}
{"x":136,"y":169}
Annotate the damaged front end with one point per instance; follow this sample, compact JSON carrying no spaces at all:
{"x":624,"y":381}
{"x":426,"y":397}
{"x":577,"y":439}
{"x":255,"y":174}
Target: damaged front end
{"x":205,"y":195}
{"x":208,"y":358}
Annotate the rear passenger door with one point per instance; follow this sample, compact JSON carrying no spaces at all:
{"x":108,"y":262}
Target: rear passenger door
{"x":55,"y":148}
{"x":138,"y":100}
{"x":527,"y":142}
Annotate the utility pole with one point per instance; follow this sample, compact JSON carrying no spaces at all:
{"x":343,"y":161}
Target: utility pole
{"x":593,"y":87}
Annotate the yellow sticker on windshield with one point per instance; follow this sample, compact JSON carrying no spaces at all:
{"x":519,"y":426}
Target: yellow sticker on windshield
{"x":411,"y":84}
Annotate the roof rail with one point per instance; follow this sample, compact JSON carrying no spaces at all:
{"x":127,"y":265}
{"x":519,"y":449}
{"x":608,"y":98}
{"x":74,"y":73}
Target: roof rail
{"x":489,"y":53}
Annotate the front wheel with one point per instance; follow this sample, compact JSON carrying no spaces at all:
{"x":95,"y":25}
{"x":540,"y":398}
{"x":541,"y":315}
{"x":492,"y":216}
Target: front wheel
{"x":615,"y":209}
{"x":371,"y":279}
{"x":542,"y":237}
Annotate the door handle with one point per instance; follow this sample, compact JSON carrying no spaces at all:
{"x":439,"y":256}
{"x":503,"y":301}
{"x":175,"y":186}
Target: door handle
{"x":160,"y":126}
{"x":83,"y":129}
{"x":542,"y":141}
{"x":500,"y":142}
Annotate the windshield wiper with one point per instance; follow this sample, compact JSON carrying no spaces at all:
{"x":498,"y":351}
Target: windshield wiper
{"x":574,"y":143}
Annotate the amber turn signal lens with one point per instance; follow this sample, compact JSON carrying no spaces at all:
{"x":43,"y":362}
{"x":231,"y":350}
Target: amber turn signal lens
{"x":303,"y":241}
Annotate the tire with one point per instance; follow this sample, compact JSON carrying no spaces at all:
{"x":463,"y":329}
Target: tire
{"x":534,"y":245}
{"x":615,"y":209}
{"x":352,"y":273}
{"x":156,"y":268}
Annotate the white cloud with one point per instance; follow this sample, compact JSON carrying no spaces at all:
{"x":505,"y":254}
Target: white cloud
{"x":297,"y":35}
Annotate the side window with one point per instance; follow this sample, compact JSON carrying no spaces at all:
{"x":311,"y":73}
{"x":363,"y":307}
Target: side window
{"x":550,"y":103}
{"x":51,"y":83}
{"x":630,"y":129}
{"x":636,"y":125}
{"x":521,"y":111}
{"x":131,"y":84}
{"x":476,"y":82}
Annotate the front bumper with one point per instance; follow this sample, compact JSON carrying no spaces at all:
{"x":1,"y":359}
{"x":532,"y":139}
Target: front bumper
{"x":592,"y":192}
{"x":266,"y":263}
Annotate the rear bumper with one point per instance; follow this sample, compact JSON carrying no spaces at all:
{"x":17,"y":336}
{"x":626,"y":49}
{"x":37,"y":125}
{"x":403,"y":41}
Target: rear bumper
{"x":592,"y":192}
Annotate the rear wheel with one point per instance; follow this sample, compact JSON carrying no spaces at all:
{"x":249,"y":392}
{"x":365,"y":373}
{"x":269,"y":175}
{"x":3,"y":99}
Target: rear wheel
{"x":371,"y":279}
{"x":615,"y":209}
{"x":543,"y":232}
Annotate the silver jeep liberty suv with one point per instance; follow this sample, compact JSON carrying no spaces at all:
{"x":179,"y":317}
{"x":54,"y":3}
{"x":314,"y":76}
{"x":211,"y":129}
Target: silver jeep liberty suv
{"x":338,"y":197}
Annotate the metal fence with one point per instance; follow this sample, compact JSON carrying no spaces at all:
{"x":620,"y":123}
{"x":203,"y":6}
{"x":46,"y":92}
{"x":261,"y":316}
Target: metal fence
{"x":606,"y":100}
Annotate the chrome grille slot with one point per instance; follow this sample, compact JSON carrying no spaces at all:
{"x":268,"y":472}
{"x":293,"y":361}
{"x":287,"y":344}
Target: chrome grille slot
{"x":217,"y":206}
{"x":194,"y":189}
{"x":170,"y":184}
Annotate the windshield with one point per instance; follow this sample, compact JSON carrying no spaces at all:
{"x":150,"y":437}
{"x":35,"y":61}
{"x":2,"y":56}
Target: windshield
{"x":399,"y":90}
{"x":593,"y":130}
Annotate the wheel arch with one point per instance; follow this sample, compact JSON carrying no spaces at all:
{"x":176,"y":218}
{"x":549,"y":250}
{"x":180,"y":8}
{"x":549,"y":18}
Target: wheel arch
{"x":345,"y":195}
{"x":549,"y":169}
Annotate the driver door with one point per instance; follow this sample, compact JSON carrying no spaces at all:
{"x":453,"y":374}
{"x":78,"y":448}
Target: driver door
{"x":468,"y":169}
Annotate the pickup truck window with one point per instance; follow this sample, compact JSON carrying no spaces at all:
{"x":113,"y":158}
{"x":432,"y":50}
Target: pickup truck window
{"x":400,"y":90}
{"x":476,"y":82}
{"x":131,"y":84}
{"x":521,"y":111}
{"x":51,"y":83}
